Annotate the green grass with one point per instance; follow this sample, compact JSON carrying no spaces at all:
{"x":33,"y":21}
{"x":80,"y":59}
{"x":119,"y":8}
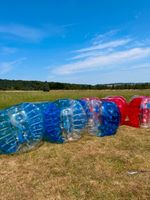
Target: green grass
{"x":89,"y":169}
{"x":10,"y":98}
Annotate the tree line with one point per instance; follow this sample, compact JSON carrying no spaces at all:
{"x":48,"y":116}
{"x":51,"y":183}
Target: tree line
{"x":46,"y":86}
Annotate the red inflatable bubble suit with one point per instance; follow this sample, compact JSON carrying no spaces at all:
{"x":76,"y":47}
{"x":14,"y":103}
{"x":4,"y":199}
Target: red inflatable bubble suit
{"x":122,"y":105}
{"x":139,"y":112}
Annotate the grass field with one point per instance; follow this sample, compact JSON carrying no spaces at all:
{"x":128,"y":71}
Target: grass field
{"x":90,"y":169}
{"x":10,"y":98}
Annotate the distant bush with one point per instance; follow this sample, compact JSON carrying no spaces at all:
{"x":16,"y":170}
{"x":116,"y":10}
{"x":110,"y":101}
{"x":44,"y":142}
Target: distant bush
{"x":46,"y":86}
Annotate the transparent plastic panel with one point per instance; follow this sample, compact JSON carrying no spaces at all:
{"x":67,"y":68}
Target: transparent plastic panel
{"x":73,"y":118}
{"x":21,"y":128}
{"x":92,"y":107}
{"x":103,"y":116}
{"x":145,"y":113}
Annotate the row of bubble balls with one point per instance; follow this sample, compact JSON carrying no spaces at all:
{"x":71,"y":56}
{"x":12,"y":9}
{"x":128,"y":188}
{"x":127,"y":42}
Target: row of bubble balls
{"x":24,"y":126}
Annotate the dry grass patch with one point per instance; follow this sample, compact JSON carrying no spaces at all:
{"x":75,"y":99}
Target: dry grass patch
{"x":92,"y":168}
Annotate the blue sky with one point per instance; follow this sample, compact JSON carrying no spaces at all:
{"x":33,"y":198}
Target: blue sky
{"x":76,"y":41}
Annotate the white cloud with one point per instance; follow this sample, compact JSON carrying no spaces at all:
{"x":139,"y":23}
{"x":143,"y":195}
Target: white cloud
{"x":102,"y":56}
{"x":103,"y":37}
{"x":117,"y":58}
{"x":93,"y":53}
{"x":22,"y":31}
{"x":6,"y":67}
{"x":33,"y":33}
{"x":111,"y":44}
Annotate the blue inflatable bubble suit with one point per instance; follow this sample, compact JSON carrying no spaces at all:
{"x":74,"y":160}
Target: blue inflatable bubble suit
{"x":73,"y":118}
{"x":42,"y":105}
{"x":52,"y":122}
{"x":110,"y":119}
{"x":21,"y":128}
{"x":103,"y":117}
